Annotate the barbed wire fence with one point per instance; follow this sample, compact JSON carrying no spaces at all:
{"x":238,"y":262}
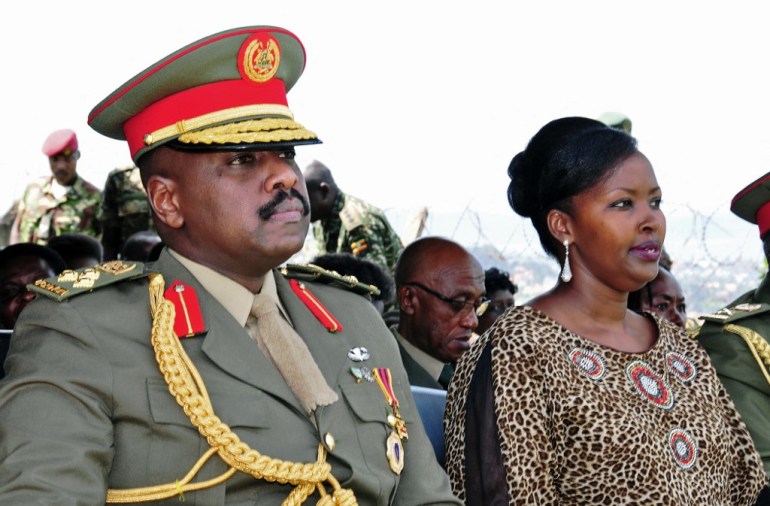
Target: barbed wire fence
{"x":716,"y":256}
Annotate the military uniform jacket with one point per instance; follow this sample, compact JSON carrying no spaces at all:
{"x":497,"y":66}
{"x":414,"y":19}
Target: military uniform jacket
{"x":84,"y":407}
{"x":745,"y":376}
{"x":124,"y":203}
{"x":361,"y":229}
{"x":41,"y":215}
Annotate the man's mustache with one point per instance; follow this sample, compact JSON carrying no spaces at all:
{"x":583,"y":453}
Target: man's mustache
{"x":266,"y":211}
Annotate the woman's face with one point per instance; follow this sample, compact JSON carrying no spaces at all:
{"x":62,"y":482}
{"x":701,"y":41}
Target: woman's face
{"x":618,"y":228}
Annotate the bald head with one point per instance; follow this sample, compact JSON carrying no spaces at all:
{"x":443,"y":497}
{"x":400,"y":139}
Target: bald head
{"x":321,"y":190}
{"x":430,"y":257}
{"x":439,"y":284}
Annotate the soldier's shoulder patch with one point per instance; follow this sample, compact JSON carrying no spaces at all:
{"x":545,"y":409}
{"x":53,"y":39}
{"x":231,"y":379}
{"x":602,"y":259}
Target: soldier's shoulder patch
{"x":75,"y":282}
{"x":735,"y":313}
{"x":312,"y":272}
{"x":351,"y":216}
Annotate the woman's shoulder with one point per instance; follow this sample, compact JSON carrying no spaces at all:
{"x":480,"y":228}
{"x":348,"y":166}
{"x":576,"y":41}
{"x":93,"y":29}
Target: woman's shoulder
{"x":524,"y":327}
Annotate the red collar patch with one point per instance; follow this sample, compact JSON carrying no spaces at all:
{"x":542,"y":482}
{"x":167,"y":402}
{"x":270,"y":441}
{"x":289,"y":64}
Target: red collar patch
{"x":189,"y":319}
{"x":327,"y":319}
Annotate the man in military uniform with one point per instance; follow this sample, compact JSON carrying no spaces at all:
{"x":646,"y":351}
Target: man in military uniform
{"x":440,"y":293}
{"x":344,"y":223}
{"x":61,"y":203}
{"x":125,"y":209}
{"x":737,"y":336}
{"x":209,"y":375}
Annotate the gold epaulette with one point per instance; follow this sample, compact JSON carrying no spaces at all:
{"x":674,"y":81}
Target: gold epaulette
{"x":75,"y":282}
{"x":738,"y":312}
{"x":312,"y":272}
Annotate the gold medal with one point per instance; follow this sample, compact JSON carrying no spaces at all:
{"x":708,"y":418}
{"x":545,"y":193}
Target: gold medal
{"x":395,"y":452}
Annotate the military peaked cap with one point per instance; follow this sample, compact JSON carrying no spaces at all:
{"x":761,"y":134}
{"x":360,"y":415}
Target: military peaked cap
{"x":225,"y":91}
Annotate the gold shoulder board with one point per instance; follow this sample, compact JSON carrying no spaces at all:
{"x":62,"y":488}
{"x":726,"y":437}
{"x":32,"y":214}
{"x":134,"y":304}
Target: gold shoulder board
{"x":74,"y":282}
{"x":312,"y":272}
{"x":738,"y":312}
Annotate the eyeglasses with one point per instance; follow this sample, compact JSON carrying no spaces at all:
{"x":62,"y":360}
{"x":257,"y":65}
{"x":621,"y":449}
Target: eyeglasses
{"x":457,"y":305}
{"x":12,"y":291}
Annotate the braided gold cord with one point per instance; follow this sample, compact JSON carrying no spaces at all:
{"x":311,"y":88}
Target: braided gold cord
{"x":168,"y":490}
{"x":254,"y":125}
{"x":758,"y":346}
{"x":187,"y":387}
{"x":261,"y":130}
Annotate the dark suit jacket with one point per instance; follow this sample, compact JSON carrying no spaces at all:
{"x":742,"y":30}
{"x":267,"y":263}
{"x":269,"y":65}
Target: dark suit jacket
{"x":84,"y":406}
{"x":417,"y":374}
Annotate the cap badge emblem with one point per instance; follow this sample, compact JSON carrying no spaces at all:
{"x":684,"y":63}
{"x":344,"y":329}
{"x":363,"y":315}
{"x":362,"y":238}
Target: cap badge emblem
{"x":261,"y":58}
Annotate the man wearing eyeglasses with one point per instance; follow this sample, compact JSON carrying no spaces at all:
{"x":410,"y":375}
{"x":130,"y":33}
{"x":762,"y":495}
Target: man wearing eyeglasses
{"x":441,"y":294}
{"x":20,"y":265}
{"x":61,"y":203}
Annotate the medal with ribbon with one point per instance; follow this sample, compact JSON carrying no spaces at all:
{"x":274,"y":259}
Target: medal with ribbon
{"x":394,"y":448}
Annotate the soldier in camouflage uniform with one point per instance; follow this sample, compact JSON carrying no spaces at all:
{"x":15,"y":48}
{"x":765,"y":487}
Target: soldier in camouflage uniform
{"x":344,"y":223}
{"x":125,"y":209}
{"x":737,"y":337}
{"x":61,"y":203}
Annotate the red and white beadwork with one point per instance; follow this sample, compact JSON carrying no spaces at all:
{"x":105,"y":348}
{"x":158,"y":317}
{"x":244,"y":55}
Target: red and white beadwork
{"x":651,"y":387}
{"x":683,"y":448}
{"x":681,"y":367}
{"x":590,"y":364}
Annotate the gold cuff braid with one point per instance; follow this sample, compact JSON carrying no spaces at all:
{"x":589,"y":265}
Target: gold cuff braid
{"x":758,"y":346}
{"x":187,"y":387}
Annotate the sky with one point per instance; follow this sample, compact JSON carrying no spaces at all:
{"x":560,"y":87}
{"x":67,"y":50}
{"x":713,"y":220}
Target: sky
{"x":424,"y":103}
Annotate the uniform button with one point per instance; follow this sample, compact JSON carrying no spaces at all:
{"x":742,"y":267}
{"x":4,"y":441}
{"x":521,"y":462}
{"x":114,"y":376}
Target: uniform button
{"x":329,"y":440}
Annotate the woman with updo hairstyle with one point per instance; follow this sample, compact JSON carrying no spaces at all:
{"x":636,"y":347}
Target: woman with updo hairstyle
{"x":572,"y":398}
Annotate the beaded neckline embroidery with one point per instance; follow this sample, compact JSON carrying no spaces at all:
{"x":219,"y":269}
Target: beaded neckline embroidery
{"x":652,"y":388}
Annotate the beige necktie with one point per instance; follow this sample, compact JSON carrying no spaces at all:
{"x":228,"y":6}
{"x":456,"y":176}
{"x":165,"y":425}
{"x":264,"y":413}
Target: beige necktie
{"x":289,"y":353}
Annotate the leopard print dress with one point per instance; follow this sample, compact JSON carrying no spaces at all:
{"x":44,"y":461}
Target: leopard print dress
{"x":580,"y":423}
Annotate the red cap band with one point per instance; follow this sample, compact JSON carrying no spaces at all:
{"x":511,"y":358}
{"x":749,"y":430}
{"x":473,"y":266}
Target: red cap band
{"x":763,"y":219}
{"x":198,"y":101}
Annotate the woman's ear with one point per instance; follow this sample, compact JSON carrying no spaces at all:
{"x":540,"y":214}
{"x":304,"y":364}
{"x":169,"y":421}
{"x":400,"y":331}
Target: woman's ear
{"x":164,"y":199}
{"x":560,"y":225}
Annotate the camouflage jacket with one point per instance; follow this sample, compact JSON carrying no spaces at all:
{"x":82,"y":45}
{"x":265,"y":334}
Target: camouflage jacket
{"x":125,"y":207}
{"x":41,"y":215}
{"x":361,"y":229}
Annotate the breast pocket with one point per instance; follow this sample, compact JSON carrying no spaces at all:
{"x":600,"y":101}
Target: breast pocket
{"x":368,"y":420}
{"x":175,"y":443}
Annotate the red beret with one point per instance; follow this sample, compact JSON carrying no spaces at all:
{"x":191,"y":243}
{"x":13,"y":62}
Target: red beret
{"x":223,"y":90}
{"x":61,"y":141}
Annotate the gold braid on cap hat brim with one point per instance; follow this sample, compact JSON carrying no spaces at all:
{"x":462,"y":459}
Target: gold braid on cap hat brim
{"x":250,"y":131}
{"x":187,"y":387}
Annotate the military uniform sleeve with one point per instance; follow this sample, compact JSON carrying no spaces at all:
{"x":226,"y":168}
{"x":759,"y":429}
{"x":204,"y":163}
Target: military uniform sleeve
{"x":55,"y":430}
{"x":108,"y":209}
{"x":22,"y":225}
{"x":745,"y":383}
{"x":365,"y":242}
